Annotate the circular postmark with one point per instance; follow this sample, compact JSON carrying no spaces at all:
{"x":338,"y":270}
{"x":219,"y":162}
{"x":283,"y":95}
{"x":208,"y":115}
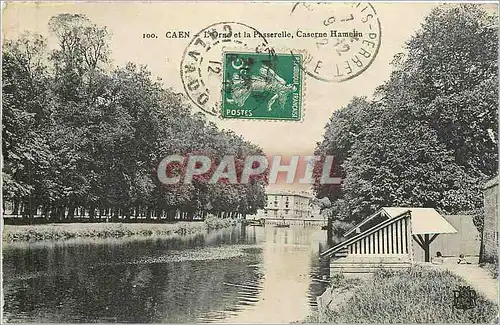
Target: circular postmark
{"x":202,"y":67}
{"x":339,"y":40}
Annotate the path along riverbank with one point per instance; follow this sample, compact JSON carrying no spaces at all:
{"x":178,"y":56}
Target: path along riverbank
{"x":415,"y":295}
{"x":64,"y":231}
{"x":477,"y":277}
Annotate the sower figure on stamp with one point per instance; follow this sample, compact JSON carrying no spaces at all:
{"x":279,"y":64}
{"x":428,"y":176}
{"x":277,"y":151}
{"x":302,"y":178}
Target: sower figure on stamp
{"x":266,"y":80}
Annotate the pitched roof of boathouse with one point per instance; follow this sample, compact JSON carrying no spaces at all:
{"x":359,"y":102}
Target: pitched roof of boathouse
{"x":423,"y":220}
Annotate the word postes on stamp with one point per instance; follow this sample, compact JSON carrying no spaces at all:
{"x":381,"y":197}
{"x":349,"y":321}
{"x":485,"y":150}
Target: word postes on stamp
{"x":261,"y":86}
{"x":340,"y":40}
{"x":201,"y":65}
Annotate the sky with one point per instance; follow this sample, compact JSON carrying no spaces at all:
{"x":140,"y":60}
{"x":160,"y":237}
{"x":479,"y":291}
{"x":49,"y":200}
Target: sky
{"x":127,"y":23}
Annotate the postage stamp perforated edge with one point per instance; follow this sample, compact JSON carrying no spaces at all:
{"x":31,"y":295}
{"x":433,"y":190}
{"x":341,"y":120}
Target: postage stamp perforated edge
{"x":276,"y":51}
{"x":198,"y":88}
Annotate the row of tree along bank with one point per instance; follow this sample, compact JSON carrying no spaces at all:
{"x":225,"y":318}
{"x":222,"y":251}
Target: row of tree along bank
{"x":62,"y":231}
{"x":83,"y":138}
{"x":429,"y":135}
{"x":116,"y":215}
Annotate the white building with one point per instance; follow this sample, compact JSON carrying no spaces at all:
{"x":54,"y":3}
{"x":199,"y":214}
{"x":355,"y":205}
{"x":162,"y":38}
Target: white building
{"x":289,"y":205}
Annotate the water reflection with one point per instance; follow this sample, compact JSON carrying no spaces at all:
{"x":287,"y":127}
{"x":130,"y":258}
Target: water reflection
{"x":252,"y":274}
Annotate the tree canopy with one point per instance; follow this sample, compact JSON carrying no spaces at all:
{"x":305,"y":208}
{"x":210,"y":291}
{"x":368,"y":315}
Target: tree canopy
{"x":428,"y":138}
{"x":79,"y":135}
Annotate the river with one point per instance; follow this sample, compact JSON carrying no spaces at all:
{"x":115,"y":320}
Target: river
{"x":234,"y":275}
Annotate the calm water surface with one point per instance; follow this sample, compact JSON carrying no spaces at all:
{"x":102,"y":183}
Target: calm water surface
{"x":242,"y":275}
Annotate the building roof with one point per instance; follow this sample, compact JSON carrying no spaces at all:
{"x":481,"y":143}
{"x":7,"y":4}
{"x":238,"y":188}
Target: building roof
{"x":290,"y":193}
{"x":423,"y":220}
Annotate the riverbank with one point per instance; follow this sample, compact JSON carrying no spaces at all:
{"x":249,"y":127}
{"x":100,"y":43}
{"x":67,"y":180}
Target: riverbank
{"x":64,"y":231}
{"x":415,"y":295}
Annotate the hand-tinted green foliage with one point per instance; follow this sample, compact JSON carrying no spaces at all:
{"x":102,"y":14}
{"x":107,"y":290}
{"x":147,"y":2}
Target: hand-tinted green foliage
{"x":429,"y":136}
{"x":82,"y":138}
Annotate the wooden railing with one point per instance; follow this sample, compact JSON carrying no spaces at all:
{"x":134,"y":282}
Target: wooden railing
{"x":388,"y":237}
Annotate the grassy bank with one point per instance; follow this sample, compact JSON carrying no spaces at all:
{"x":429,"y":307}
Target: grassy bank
{"x":108,"y":230}
{"x":416,"y":295}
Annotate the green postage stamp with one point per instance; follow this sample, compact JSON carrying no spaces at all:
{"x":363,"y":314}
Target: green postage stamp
{"x":262,"y":86}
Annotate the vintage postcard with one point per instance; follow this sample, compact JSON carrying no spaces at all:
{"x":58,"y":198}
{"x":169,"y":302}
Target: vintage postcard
{"x":249,"y":162}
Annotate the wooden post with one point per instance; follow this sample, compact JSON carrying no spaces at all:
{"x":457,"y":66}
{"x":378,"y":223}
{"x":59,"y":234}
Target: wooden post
{"x":425,"y":243}
{"x":427,"y":250}
{"x":409,"y":241}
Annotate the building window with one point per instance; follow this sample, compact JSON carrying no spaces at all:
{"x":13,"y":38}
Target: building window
{"x":275,"y":212}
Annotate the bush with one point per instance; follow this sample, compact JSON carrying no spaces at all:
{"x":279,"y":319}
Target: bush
{"x":415,"y":295}
{"x":213,"y":222}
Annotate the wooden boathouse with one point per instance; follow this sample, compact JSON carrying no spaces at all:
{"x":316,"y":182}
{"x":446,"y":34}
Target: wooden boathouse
{"x":386,"y":239}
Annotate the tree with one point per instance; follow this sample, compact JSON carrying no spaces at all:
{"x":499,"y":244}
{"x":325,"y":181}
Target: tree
{"x":452,"y":73}
{"x":26,"y":116}
{"x":90,"y":138}
{"x":428,"y":139}
{"x":341,"y":132}
{"x":83,"y":50}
